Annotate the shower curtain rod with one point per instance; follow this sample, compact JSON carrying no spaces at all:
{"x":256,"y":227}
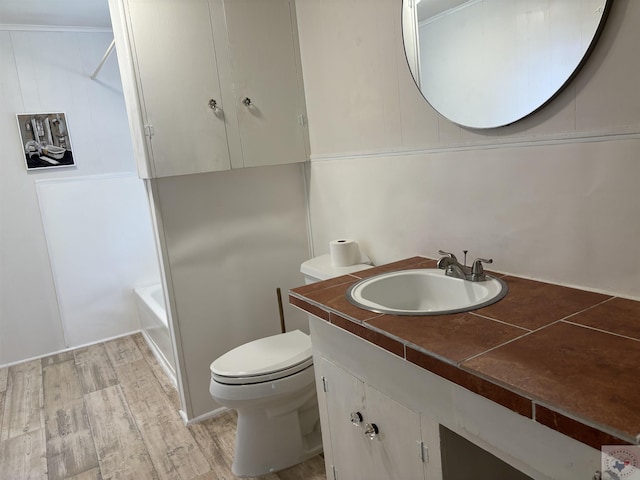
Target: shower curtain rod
{"x":104,"y":58}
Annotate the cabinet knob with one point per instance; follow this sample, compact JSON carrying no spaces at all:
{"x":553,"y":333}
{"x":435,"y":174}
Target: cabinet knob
{"x":356,"y":418}
{"x":246,"y":102}
{"x":213,"y":104}
{"x":371,"y":430}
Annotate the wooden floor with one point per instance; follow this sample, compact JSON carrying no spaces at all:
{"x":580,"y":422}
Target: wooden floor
{"x":109,"y":411}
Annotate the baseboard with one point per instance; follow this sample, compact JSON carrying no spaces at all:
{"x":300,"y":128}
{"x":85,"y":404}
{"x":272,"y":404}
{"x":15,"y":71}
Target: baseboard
{"x":202,"y":418}
{"x":69,"y":349}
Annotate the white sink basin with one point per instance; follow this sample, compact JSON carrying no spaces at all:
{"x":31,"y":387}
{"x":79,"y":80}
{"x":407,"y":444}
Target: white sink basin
{"x":426,"y":291}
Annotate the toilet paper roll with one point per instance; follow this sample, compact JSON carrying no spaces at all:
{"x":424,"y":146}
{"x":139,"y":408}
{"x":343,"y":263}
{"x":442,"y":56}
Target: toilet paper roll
{"x":344,"y":252}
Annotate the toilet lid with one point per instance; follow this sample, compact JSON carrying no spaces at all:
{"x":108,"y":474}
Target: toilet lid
{"x":264,"y":359}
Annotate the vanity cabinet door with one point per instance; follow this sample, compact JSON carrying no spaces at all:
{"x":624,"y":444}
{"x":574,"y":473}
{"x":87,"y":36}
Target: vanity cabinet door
{"x":395,"y":451}
{"x":344,"y":398}
{"x":177,"y":78}
{"x":267,"y":93}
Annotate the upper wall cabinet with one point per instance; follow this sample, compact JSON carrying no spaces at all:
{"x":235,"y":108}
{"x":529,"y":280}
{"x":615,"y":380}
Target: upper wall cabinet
{"x":215,"y":84}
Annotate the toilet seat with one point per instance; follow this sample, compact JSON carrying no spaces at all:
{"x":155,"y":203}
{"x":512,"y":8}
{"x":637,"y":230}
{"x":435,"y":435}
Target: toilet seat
{"x":264,"y":360}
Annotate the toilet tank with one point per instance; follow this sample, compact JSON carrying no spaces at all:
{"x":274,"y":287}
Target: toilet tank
{"x":320,"y":268}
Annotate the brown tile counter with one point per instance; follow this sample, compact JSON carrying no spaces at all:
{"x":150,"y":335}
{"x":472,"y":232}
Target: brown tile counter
{"x":566,"y":358}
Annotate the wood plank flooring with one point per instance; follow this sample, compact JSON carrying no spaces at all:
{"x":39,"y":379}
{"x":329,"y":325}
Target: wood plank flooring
{"x":109,"y":411}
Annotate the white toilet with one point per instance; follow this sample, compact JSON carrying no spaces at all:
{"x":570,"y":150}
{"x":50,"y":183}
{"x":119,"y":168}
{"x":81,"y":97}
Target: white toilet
{"x":270,"y":382}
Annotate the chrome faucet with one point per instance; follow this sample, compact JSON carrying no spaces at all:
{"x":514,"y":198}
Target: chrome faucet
{"x":453,"y":268}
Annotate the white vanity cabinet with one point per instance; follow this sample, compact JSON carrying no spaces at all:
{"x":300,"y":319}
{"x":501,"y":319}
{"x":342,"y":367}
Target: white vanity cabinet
{"x":368,"y":435}
{"x":411,"y":406}
{"x":213,"y":84}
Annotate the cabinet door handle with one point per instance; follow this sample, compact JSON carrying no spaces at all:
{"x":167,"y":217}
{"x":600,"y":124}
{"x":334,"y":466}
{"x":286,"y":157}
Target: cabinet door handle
{"x":246,"y":102}
{"x":213,"y":105}
{"x":371,"y":430}
{"x":356,"y":418}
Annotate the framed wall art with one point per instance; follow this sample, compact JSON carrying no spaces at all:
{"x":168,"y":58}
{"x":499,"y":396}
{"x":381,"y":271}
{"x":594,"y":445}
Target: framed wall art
{"x":45,"y":140}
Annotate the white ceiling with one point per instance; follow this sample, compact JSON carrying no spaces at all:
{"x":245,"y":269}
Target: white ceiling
{"x":57,"y":13}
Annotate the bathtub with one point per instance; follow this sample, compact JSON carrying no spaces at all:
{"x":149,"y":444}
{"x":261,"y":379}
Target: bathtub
{"x":155,"y":326}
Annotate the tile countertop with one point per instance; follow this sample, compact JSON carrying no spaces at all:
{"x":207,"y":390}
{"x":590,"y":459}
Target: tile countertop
{"x":566,"y":358}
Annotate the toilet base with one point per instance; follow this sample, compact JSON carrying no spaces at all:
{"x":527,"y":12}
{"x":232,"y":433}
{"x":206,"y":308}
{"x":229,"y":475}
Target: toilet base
{"x":269,"y":440}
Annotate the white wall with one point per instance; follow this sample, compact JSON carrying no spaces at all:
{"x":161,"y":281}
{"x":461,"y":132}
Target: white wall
{"x":100,"y":242}
{"x":49,"y":71}
{"x":552,"y":197}
{"x":229,"y":240}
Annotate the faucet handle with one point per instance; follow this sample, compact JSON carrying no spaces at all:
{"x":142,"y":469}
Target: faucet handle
{"x":448,"y":254}
{"x":477,"y":271}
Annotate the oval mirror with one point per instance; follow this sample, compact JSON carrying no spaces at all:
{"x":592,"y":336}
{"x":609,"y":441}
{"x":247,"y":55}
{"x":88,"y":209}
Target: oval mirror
{"x":489,"y":63}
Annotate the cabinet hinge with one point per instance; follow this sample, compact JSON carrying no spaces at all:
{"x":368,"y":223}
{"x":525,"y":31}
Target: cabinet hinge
{"x":324,"y":384}
{"x":148,"y":130}
{"x":302,"y":120}
{"x":423,"y":452}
